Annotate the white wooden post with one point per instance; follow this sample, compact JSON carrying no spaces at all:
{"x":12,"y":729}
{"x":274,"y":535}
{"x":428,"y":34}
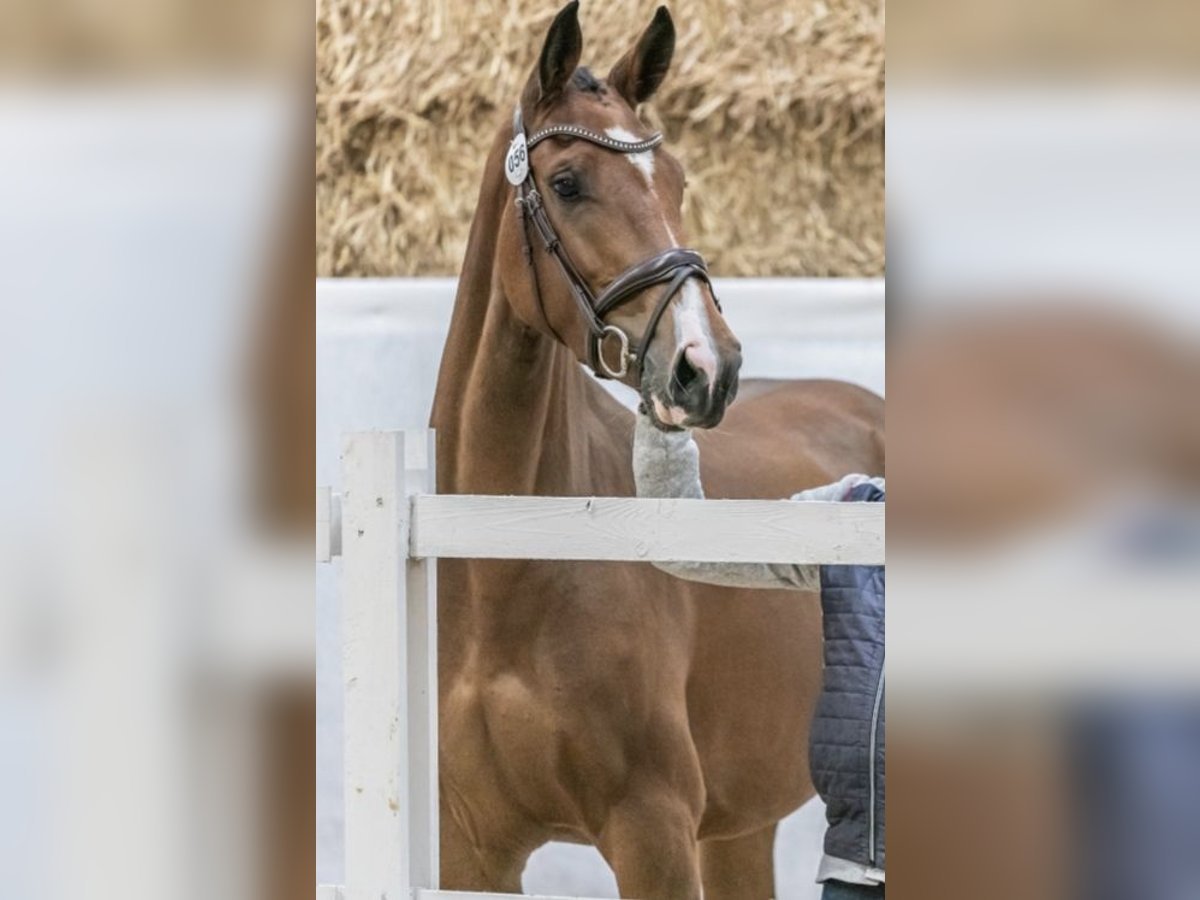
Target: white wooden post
{"x":389,"y":660}
{"x":424,"y":847}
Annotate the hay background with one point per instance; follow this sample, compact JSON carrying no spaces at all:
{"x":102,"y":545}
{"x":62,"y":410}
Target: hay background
{"x":775,"y":110}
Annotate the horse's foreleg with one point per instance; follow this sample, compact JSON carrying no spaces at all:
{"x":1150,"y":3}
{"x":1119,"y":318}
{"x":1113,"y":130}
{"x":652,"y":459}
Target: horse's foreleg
{"x":742,"y":868}
{"x":475,"y":862}
{"x":650,"y":842}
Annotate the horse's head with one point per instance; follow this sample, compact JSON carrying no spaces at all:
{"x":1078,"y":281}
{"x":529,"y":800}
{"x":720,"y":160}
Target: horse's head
{"x":591,"y":249}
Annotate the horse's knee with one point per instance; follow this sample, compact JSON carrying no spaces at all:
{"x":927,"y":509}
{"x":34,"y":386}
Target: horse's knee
{"x":650,"y":843}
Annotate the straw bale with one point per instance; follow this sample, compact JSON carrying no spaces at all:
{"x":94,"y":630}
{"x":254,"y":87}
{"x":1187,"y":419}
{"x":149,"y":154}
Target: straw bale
{"x":775,"y":109}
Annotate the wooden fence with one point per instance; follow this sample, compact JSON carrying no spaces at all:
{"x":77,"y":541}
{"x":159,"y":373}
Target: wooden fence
{"x":388,"y":526}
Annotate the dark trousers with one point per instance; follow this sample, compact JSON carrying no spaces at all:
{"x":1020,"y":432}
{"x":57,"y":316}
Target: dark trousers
{"x":840,"y":890}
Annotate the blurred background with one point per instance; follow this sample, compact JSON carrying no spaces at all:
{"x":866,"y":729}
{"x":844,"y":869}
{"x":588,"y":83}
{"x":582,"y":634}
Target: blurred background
{"x":156,"y":332}
{"x":1043,"y":375}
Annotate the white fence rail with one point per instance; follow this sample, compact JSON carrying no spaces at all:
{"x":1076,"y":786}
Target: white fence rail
{"x":388,"y":527}
{"x":623,"y":528}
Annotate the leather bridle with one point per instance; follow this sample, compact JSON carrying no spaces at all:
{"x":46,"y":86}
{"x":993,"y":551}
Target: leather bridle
{"x":671,"y":267}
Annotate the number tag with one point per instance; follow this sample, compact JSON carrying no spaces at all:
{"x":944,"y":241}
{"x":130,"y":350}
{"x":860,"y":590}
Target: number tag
{"x":516,"y":162}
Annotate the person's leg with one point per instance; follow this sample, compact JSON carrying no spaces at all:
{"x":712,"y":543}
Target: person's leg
{"x":840,"y":890}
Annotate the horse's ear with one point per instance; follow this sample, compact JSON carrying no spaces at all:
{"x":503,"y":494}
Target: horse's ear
{"x":638,"y":73}
{"x":559,"y":59}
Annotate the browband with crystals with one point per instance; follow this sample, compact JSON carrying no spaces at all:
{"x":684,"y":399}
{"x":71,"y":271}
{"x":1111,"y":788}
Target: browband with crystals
{"x":576,"y":131}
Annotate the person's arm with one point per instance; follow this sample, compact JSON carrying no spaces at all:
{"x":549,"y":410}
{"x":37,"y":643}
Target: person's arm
{"x":667,"y":464}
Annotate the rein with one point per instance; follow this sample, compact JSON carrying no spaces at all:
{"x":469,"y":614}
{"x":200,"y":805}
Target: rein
{"x":671,"y":267}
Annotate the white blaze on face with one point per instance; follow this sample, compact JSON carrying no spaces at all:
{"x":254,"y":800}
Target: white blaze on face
{"x":693,"y":332}
{"x":693,"y":336}
{"x":643,"y":162}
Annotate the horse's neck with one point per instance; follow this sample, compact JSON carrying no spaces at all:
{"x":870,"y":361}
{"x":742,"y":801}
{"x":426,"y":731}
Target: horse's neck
{"x":513,"y":408}
{"x":502,"y":411}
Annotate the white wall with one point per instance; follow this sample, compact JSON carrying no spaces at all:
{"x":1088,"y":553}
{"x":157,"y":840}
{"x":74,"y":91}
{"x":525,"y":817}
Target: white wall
{"x":379,"y":343}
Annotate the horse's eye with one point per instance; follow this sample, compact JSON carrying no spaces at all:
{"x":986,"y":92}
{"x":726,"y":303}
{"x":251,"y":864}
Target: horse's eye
{"x":566,"y":186}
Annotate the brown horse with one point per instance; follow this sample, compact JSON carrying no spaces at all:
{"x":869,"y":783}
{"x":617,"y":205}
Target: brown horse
{"x":604,"y":703}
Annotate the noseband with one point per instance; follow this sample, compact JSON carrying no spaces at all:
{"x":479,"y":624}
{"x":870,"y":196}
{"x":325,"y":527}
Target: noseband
{"x":671,"y":267}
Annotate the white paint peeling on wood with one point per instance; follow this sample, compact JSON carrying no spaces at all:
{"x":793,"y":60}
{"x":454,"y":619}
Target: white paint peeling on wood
{"x":374,"y":660}
{"x":389,"y":635}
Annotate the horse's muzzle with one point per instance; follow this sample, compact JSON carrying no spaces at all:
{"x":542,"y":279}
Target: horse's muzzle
{"x":699,"y":397}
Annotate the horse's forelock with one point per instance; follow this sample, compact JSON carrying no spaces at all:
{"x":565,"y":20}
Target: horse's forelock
{"x":584,"y":80}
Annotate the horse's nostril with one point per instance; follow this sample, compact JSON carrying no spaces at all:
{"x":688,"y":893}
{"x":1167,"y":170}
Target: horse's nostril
{"x":684,"y":375}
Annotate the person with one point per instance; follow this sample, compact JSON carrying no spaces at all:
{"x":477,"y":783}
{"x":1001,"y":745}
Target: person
{"x":847,"y":736}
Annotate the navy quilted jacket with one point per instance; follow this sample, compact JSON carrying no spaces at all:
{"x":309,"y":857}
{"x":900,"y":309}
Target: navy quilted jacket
{"x":847,"y":737}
